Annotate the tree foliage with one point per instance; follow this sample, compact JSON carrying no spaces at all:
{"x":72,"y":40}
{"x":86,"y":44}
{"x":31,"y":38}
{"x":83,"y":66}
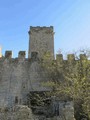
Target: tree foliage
{"x":70,"y":78}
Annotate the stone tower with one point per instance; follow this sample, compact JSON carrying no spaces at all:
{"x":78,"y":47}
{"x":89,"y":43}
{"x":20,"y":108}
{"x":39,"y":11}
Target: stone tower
{"x":41,"y":40}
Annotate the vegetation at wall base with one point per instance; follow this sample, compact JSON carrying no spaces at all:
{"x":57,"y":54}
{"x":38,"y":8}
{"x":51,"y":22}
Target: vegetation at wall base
{"x":71,"y":78}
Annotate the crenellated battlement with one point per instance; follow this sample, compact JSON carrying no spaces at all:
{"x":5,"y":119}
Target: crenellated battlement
{"x":83,"y":57}
{"x":38,"y":29}
{"x":8,"y":54}
{"x":35,"y":56}
{"x":22,"y":54}
{"x":71,"y":57}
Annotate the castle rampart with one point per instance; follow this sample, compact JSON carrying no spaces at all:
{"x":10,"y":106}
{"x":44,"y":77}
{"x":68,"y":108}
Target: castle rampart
{"x":34,"y":55}
{"x":19,"y":76}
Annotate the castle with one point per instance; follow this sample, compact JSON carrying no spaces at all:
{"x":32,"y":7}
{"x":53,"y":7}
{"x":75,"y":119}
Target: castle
{"x":19,"y":76}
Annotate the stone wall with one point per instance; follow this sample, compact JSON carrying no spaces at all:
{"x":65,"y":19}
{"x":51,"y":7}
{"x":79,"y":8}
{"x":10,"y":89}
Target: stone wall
{"x":41,"y":39}
{"x":18,"y":77}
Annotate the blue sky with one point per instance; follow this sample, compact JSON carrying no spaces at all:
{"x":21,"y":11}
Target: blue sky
{"x":70,"y":18}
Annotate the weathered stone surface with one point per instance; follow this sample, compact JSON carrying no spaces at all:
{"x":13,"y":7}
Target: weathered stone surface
{"x":17,"y":113}
{"x":41,"y":40}
{"x":17,"y":78}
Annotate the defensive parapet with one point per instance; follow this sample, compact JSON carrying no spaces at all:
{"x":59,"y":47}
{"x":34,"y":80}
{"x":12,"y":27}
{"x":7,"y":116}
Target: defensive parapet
{"x":8,"y":54}
{"x":83,"y":57}
{"x":21,"y":54}
{"x":37,"y":28}
{"x":35,"y":56}
{"x":70,"y":57}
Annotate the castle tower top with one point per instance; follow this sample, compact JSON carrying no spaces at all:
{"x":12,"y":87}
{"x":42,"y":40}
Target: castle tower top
{"x":41,"y":40}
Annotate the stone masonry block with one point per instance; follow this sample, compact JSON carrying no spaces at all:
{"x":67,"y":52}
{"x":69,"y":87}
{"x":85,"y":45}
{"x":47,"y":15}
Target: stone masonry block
{"x":22,"y":54}
{"x":70,"y":57}
{"x":8,"y":54}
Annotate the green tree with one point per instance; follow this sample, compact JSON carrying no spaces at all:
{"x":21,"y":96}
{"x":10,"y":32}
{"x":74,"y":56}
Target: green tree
{"x":70,"y":78}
